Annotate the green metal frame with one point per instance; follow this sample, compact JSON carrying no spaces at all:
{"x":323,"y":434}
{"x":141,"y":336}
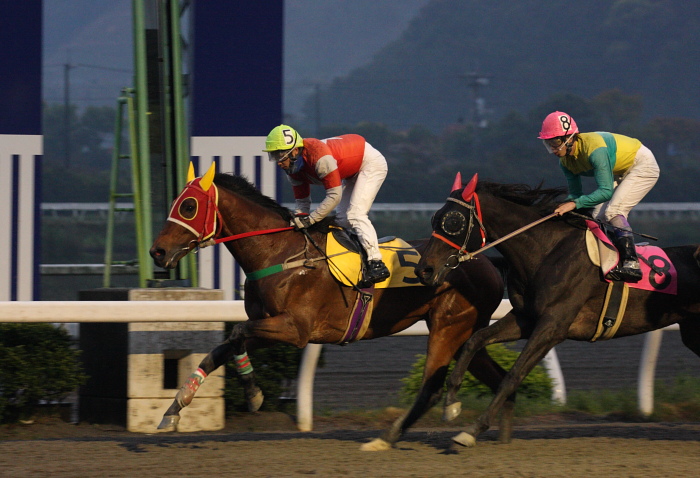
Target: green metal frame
{"x":176,"y":152}
{"x":138,"y":128}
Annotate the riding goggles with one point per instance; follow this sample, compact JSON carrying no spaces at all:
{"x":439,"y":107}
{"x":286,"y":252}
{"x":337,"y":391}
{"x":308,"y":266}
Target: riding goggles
{"x":555,"y":144}
{"x":279,"y":155}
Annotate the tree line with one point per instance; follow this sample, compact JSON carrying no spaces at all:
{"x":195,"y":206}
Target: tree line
{"x":422,"y":162}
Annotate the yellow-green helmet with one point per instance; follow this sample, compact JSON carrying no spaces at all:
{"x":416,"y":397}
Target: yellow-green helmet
{"x":283,"y":137}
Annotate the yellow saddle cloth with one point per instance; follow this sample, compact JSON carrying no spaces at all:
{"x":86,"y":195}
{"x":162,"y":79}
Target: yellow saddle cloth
{"x":398,"y":255}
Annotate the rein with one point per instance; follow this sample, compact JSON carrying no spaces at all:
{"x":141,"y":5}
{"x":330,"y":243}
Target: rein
{"x":469,"y":255}
{"x":197,"y":244}
{"x":462,"y":255}
{"x":213,"y":242}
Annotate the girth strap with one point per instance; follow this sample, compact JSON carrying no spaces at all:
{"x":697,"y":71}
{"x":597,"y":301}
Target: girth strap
{"x":613,"y":310}
{"x":360,"y":316}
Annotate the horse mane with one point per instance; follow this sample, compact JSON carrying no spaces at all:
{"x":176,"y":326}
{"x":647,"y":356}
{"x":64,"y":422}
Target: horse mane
{"x":241,"y":186}
{"x":543,"y":199}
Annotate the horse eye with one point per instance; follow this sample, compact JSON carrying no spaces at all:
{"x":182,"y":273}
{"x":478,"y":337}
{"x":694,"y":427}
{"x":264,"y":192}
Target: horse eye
{"x":188,"y":209}
{"x":453,"y":223}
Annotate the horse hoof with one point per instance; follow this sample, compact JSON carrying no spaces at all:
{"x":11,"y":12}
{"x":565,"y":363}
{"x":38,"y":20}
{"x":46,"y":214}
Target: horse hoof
{"x":464,"y":439}
{"x":256,"y":401}
{"x":376,"y":445}
{"x":452,"y":411}
{"x":169,"y":423}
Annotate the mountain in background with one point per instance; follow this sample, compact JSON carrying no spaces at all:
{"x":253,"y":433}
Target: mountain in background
{"x":323,"y":39}
{"x":94,"y":38}
{"x":520,"y":54}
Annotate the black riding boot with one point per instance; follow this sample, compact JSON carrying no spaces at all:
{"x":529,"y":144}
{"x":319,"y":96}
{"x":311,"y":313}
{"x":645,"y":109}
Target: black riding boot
{"x":627,"y":269}
{"x":376,"y":271}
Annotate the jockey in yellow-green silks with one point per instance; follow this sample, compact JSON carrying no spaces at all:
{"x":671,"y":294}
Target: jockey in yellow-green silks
{"x":624,"y":171}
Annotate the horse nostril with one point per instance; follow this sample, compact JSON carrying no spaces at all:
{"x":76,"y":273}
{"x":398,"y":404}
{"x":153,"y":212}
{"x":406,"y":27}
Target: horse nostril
{"x":427,"y":272}
{"x":424,"y":274}
{"x":157,"y":252}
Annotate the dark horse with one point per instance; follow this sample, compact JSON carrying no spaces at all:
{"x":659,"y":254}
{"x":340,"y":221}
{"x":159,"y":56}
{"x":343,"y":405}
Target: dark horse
{"x":556,"y":291}
{"x":305,"y":304}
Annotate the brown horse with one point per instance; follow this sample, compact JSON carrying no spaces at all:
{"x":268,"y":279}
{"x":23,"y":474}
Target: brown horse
{"x":305,"y":304}
{"x":556,"y":291}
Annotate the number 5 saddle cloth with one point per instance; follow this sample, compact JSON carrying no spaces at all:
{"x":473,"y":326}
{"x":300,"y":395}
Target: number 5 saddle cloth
{"x":345,"y":261}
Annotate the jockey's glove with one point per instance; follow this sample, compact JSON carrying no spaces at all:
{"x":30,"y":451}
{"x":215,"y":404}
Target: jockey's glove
{"x":301,"y":221}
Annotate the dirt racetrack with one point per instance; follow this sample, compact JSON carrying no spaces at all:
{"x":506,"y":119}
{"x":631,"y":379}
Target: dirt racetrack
{"x":268,"y":445}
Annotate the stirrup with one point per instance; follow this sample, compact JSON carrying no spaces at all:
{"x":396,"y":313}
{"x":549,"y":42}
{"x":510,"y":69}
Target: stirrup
{"x":376,"y":271}
{"x":626,"y":273}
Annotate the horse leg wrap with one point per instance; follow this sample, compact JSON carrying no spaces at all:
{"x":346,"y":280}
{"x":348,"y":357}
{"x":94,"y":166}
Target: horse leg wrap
{"x":243,"y":365}
{"x":451,"y":411}
{"x":186,"y":393}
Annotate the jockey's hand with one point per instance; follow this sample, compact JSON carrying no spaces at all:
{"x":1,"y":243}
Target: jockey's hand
{"x":301,"y":221}
{"x":565,"y":207}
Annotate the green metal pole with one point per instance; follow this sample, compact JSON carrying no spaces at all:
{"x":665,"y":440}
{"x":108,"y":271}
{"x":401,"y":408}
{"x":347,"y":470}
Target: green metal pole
{"x":182,"y":153}
{"x":182,"y":157}
{"x":166,"y":69}
{"x":142,"y":203}
{"x":136,"y":181}
{"x":166,"y":102}
{"x":116,"y":154}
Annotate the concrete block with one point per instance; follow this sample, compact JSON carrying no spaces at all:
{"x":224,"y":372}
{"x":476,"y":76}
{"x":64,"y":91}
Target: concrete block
{"x":146,"y":377}
{"x":136,"y":369}
{"x":203,"y":414}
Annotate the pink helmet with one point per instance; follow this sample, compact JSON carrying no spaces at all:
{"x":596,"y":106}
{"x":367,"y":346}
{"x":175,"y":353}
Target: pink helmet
{"x":557,"y":124}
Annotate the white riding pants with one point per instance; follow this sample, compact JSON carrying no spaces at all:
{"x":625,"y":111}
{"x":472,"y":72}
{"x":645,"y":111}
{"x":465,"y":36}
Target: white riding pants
{"x":631,"y":187}
{"x":359,"y":192}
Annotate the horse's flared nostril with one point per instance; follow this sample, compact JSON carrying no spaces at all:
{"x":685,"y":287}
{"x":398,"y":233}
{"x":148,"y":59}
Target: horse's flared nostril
{"x":424,"y":274}
{"x":158,"y":254}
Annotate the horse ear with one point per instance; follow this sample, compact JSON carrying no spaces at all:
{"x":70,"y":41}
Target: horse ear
{"x":207,"y":180}
{"x":458,"y":182}
{"x":190,"y":173}
{"x":470,"y":188}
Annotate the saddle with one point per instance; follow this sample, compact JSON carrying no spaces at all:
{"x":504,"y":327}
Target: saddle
{"x":347,"y":257}
{"x":658,"y":272}
{"x":658,"y":275}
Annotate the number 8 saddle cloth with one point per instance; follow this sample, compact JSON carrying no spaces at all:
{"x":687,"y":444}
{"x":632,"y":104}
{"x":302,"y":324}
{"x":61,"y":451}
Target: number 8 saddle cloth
{"x":658,"y":273}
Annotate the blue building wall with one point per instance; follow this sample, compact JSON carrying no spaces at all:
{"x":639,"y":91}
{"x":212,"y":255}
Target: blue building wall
{"x":236,"y":100}
{"x":20,"y":147}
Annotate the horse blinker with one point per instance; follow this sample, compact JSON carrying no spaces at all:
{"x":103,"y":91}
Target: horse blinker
{"x":195,"y":209}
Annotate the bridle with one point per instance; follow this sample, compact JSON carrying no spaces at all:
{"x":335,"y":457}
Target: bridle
{"x":213,"y":222}
{"x":211,"y":239}
{"x":475,"y":217}
{"x":203,"y":226}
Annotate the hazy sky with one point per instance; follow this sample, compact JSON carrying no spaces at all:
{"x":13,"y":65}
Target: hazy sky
{"x":323,"y":39}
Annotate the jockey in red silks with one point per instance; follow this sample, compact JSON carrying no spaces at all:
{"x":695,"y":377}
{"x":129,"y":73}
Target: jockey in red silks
{"x":350,"y":170}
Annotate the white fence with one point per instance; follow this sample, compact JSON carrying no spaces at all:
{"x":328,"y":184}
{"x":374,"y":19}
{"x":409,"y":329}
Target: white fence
{"x":75,"y":209}
{"x":233,"y":311}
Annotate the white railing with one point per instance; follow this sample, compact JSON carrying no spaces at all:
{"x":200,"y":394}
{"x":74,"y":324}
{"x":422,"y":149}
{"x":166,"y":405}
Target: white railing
{"x":77,"y":209}
{"x":233,"y":311}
